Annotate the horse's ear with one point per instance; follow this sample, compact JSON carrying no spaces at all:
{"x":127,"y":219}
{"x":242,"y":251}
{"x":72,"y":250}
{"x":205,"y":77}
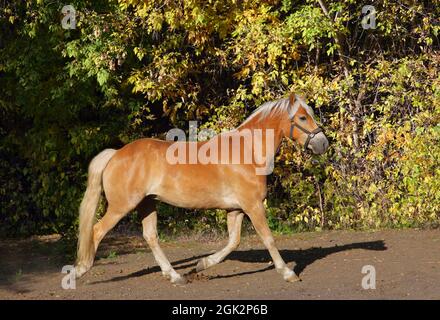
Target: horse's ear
{"x":293,"y":105}
{"x":292,"y":98}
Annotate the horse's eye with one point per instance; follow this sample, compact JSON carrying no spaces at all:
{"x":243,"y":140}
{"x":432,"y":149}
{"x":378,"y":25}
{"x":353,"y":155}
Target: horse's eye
{"x":303,"y":118}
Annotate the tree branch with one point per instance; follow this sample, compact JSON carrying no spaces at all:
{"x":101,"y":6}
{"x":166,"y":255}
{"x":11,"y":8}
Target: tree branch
{"x":355,"y":104}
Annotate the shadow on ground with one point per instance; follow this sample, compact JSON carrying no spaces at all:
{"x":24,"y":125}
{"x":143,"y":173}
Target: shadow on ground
{"x":21,"y":260}
{"x":302,"y":259}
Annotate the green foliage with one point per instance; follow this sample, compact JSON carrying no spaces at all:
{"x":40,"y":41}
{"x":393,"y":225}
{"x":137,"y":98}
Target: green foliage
{"x":135,"y":68}
{"x":112,"y":255}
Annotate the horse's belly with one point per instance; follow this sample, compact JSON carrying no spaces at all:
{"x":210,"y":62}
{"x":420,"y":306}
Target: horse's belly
{"x":196,"y":195}
{"x":194,"y":186}
{"x":198,"y":201}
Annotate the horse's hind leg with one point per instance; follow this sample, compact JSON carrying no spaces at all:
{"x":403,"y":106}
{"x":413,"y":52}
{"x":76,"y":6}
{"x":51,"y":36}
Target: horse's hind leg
{"x":108,"y":221}
{"x":235,"y":218}
{"x":100,"y":229}
{"x":147,"y":209}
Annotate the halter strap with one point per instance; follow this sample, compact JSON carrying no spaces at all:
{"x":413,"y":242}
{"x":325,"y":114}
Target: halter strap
{"x":310,"y":135}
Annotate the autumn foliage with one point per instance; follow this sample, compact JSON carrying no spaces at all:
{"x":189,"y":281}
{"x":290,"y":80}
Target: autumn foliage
{"x":133,"y":69}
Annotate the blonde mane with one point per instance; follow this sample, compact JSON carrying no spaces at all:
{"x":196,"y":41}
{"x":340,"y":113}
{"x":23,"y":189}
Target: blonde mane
{"x":277,"y":107}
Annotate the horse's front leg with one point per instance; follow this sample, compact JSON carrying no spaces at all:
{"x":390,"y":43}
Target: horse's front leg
{"x":257,"y":214}
{"x":235,"y":218}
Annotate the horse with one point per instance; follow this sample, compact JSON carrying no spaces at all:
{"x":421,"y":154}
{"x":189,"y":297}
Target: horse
{"x":142,"y":173}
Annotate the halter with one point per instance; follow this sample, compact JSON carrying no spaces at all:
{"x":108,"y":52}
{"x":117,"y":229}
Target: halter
{"x":310,"y":134}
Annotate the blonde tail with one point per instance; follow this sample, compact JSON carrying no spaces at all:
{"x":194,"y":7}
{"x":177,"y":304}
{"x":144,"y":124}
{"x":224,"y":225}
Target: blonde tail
{"x":87,"y":210}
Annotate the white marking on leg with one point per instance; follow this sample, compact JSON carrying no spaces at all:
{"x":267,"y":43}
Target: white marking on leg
{"x":258,"y":218}
{"x":150,"y":235}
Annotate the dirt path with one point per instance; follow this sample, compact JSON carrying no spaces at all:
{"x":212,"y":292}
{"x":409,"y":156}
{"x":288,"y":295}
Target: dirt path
{"x":407,"y":264}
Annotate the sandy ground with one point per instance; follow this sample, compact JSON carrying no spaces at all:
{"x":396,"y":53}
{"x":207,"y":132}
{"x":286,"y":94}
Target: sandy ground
{"x":406,"y":263}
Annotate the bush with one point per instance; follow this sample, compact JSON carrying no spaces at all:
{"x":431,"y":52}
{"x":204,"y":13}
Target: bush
{"x":135,"y":69}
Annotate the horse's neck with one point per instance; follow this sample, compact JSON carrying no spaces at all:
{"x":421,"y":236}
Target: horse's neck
{"x":269,"y":128}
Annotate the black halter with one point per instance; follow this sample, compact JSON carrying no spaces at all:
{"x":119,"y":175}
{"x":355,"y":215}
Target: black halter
{"x":310,"y":135}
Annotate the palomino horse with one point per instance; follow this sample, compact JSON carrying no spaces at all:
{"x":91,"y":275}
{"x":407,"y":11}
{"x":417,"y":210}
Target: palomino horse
{"x":139,"y":173}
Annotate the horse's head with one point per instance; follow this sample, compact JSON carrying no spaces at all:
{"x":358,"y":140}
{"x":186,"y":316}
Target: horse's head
{"x":302,"y":127}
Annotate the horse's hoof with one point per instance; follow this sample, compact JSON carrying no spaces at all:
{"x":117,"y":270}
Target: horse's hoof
{"x":180,"y":281}
{"x":292,"y":278}
{"x":166,"y":275}
{"x":80,"y":270}
{"x":201,"y":265}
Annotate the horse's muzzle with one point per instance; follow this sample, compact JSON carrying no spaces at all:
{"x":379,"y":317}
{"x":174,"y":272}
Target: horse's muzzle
{"x":319,"y":143}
